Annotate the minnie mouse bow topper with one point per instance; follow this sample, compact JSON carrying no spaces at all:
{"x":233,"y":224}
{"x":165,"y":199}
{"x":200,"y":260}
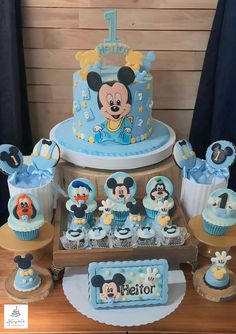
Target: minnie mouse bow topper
{"x":220,"y":155}
{"x":45,"y":155}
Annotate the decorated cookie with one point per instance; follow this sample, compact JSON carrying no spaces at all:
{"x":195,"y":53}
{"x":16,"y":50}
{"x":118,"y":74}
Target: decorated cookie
{"x":26,"y":279}
{"x":107,"y":216}
{"x":11,"y":159}
{"x":128,"y":283}
{"x":221,"y":154}
{"x":25,"y":216}
{"x":217,"y":276}
{"x":220,"y":212}
{"x":184,"y":155}
{"x":159,"y":196}
{"x":46,"y":154}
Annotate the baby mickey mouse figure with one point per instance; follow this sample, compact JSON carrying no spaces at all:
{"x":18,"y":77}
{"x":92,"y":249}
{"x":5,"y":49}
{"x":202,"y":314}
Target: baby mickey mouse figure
{"x":114,"y":101}
{"x":109,"y":289}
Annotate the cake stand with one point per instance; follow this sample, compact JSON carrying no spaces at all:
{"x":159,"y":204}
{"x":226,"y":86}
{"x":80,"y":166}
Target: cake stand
{"x":114,"y":157}
{"x":35,"y":247}
{"x":209,"y":244}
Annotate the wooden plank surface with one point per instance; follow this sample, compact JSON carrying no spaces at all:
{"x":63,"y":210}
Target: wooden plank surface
{"x":65,"y":59}
{"x":43,"y":38}
{"x":207,"y":4}
{"x":56,"y":315}
{"x":127,"y":19}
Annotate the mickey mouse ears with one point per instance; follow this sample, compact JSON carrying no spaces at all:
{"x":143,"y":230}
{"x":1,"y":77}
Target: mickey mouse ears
{"x":221,"y":154}
{"x":11,"y":159}
{"x":46,"y":154}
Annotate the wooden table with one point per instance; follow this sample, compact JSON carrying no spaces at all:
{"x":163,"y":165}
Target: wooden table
{"x":56,"y":315}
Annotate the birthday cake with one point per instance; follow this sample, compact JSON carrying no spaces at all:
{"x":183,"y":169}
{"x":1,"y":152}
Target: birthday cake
{"x":112,"y":109}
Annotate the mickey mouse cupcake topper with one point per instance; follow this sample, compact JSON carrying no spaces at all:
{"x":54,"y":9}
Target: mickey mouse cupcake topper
{"x":221,"y":154}
{"x":11,"y":159}
{"x":120,"y":187}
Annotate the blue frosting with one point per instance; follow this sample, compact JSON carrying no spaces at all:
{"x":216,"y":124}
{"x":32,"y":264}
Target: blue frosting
{"x":128,"y":283}
{"x":65,"y":138}
{"x":213,"y":281}
{"x":87,"y":114}
{"x":26,"y":282}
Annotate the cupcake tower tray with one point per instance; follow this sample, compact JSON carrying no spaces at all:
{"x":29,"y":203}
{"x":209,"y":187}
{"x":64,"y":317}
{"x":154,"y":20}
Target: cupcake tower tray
{"x":175,"y":255}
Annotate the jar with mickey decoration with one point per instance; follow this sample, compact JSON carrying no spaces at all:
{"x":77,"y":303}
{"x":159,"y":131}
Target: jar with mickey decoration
{"x":201,"y":177}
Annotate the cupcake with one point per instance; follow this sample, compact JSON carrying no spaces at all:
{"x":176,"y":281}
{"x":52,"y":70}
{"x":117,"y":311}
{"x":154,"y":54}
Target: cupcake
{"x":25,"y":218}
{"x":158,"y":200}
{"x":120,"y":188}
{"x":82,"y":191}
{"x":98,"y":237}
{"x":75,"y":238}
{"x":123,"y":237}
{"x":220,"y":213}
{"x":145,"y":236}
{"x":26,"y":279}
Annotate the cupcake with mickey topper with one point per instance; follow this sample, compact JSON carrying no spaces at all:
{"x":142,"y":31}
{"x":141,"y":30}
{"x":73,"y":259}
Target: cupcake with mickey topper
{"x":120,"y":188}
{"x":123,"y":236}
{"x":25,"y":217}
{"x":220,"y":213}
{"x":170,"y":233}
{"x":26,"y":279}
{"x":79,"y":218}
{"x":75,"y":238}
{"x":159,"y":199}
{"x":82,"y":191}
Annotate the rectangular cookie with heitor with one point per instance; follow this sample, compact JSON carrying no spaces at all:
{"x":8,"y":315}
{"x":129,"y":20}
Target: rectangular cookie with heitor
{"x":128,"y":283}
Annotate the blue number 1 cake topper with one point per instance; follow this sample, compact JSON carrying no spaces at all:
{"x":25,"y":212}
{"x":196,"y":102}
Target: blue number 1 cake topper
{"x":111,"y":17}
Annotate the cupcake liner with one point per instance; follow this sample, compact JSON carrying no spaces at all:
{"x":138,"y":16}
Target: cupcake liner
{"x":30,"y":235}
{"x":215,"y":229}
{"x":120,"y":215}
{"x":151,"y":213}
{"x":122,"y":242}
{"x":102,"y":243}
{"x":146,"y":242}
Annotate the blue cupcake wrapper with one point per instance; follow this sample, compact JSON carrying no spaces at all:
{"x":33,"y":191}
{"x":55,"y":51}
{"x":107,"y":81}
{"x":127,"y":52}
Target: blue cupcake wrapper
{"x":151,"y":213}
{"x":27,"y":236}
{"x":120,"y":215}
{"x":215,"y":229}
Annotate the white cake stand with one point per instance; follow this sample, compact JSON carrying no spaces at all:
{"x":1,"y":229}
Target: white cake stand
{"x":77,"y":154}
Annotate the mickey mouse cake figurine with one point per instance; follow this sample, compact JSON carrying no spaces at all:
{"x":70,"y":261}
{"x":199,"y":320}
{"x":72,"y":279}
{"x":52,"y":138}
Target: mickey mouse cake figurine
{"x":114,"y":101}
{"x":120,"y":188}
{"x":217,"y":276}
{"x":82,"y":191}
{"x":26,"y":279}
{"x":159,"y":196}
{"x":25,"y":216}
{"x":134,"y":219}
